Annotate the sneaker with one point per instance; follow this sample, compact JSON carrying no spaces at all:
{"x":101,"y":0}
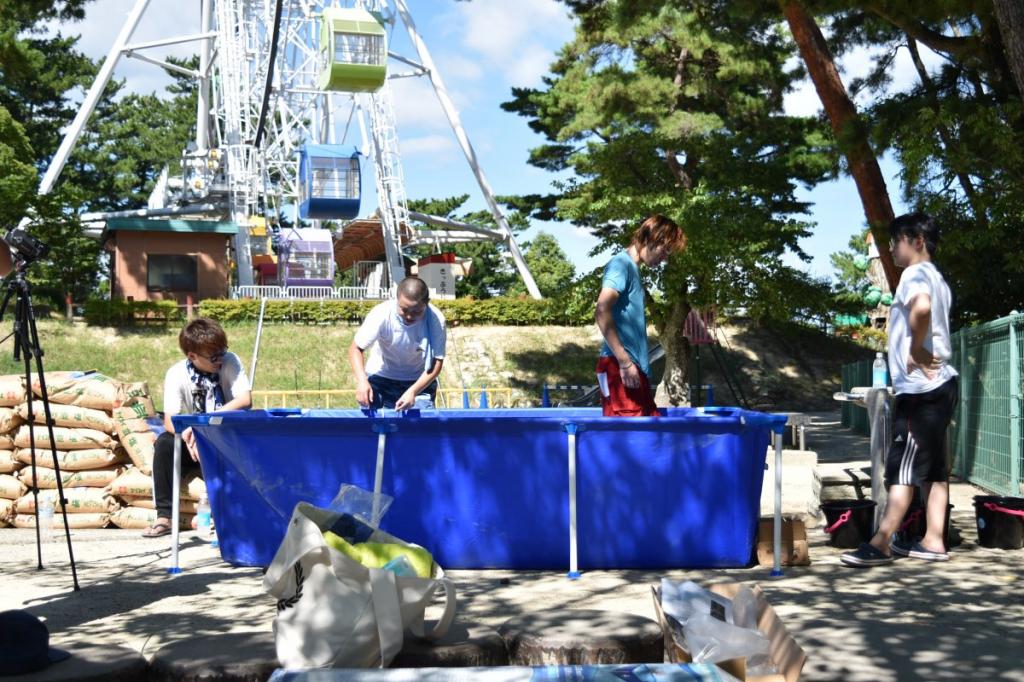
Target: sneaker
{"x":917,"y":551}
{"x":901,"y":547}
{"x":866,"y":556}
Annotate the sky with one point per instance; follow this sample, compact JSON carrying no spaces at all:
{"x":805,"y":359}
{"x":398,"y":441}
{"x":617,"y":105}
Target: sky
{"x":483,"y":49}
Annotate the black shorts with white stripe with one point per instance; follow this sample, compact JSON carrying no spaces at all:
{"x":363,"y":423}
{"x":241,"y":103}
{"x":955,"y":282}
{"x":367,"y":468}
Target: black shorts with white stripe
{"x":917,"y":453}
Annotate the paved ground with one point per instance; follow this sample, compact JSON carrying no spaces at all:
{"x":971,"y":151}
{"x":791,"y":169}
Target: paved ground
{"x":963,"y":619}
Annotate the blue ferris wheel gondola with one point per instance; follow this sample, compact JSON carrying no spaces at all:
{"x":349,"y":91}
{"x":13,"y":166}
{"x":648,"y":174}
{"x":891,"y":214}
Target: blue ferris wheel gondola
{"x":330,"y":183}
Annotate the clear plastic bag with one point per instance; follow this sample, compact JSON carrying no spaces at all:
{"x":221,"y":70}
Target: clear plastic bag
{"x":359,"y":503}
{"x":711,"y":640}
{"x":684,"y":600}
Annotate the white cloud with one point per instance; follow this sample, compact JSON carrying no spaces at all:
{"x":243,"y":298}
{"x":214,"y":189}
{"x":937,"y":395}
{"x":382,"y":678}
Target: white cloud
{"x":510,"y":36}
{"x":457,"y":67}
{"x":442,"y":146}
{"x":416,"y":106}
{"x":103,"y":22}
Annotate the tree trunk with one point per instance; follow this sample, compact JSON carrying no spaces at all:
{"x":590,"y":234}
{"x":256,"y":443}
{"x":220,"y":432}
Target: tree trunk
{"x":674,"y":387}
{"x":852,"y":138}
{"x":1010,"y":14}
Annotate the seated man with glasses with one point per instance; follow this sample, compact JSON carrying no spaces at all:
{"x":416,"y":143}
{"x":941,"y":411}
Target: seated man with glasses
{"x":209,"y":378}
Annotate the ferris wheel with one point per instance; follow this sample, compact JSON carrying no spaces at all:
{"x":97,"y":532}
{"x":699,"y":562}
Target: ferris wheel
{"x":294,"y":104}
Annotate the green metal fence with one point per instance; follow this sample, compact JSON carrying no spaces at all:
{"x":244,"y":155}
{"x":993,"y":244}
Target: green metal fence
{"x":988,"y":443}
{"x":987,"y":431}
{"x":856,"y":374}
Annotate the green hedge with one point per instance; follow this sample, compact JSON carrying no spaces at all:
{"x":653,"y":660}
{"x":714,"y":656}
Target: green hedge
{"x":127,"y":313}
{"x":467,"y":311}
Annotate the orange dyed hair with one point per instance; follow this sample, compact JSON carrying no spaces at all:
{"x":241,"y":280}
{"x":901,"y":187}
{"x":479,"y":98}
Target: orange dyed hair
{"x":658,"y":230}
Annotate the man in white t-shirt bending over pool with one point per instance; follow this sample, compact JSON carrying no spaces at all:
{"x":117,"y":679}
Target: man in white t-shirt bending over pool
{"x":410,"y":338}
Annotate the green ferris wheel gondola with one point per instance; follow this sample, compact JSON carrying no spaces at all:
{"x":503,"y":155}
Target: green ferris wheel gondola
{"x":353,"y":50}
{"x":861,"y":262}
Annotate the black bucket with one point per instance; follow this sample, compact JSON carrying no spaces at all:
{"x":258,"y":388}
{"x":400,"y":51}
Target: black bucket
{"x":1000,"y":521}
{"x":849,"y":522}
{"x":915,"y":524}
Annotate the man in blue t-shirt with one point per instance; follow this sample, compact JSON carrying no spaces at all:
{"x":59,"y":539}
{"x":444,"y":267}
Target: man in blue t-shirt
{"x":623,"y":368}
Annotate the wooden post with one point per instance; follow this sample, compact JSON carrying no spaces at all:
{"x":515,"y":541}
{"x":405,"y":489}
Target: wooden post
{"x":188,"y":306}
{"x":69,"y":307}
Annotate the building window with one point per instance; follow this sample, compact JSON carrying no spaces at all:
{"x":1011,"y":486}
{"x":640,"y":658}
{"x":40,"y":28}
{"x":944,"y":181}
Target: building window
{"x":167,"y":272}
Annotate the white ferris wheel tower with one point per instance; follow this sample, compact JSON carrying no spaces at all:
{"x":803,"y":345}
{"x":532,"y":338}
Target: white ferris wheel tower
{"x":287,"y":89}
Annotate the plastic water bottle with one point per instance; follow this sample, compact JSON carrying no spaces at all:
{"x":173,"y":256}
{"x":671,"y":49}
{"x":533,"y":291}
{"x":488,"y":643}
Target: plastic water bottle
{"x":204,"y":518}
{"x":46,"y":518}
{"x":400,"y":566}
{"x":879,"y":372}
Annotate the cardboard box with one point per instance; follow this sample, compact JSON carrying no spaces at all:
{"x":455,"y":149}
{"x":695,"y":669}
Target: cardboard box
{"x":783,"y":650}
{"x":795,"y":551}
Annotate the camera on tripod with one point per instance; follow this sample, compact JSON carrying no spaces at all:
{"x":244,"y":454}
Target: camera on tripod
{"x":27,"y":247}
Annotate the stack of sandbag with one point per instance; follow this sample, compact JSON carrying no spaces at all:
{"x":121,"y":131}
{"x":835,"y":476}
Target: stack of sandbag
{"x":88,"y":450}
{"x":87,"y":507}
{"x":104,"y":448}
{"x":134,"y":489}
{"x":12,"y":394}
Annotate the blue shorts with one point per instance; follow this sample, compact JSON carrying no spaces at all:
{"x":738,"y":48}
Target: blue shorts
{"x":387,"y":391}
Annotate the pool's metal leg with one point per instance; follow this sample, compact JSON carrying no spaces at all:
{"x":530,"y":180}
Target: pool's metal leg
{"x":777,"y":540}
{"x":175,"y":504}
{"x":378,"y":477}
{"x":574,"y":572}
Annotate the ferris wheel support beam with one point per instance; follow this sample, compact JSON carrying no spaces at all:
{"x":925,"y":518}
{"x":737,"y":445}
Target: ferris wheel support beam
{"x":91,"y":99}
{"x":467,"y":148}
{"x":203,"y":96}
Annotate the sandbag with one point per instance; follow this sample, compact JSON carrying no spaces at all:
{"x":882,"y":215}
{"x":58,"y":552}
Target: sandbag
{"x":74,"y":521}
{"x":6,"y":511}
{"x":136,"y":393}
{"x":65,"y":438}
{"x":80,"y":501}
{"x":135,"y":410}
{"x":6,"y":441}
{"x":137,"y":517}
{"x":66,"y":415}
{"x":136,"y":438}
{"x":93,"y":390}
{"x":9,"y":462}
{"x":73,"y":460}
{"x":10,"y":418}
{"x":47,"y":478}
{"x":12,"y":390}
{"x":10,"y":487}
{"x":185,"y":506}
{"x":132,"y":483}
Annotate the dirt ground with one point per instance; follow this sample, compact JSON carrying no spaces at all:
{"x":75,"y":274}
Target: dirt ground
{"x":962,"y":619}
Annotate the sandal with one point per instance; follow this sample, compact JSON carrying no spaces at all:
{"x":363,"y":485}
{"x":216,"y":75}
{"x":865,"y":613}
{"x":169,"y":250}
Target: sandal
{"x":158,"y":529}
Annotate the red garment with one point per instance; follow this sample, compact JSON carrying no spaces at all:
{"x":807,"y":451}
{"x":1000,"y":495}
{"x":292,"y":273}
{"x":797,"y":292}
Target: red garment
{"x":619,"y":401}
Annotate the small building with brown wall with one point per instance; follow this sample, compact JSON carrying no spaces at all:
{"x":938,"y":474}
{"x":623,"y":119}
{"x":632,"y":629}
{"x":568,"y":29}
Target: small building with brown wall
{"x":164,"y":260}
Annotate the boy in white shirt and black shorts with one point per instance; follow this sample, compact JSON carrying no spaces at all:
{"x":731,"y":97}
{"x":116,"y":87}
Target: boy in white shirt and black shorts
{"x":926,"y":389}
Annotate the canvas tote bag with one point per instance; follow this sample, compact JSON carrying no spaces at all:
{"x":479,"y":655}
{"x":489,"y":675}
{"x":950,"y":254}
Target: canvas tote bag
{"x":333,"y":612}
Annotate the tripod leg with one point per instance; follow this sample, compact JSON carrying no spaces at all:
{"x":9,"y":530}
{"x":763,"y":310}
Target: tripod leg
{"x":32,"y":347}
{"x":18,"y":340}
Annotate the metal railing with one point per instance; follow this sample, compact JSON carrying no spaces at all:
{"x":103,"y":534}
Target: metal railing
{"x":500,"y":397}
{"x":350,"y":293}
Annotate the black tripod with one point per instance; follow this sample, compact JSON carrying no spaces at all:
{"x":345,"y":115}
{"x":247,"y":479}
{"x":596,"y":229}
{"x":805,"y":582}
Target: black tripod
{"x":26,"y":343}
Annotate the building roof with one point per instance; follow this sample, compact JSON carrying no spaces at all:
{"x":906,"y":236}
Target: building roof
{"x":168,"y":225}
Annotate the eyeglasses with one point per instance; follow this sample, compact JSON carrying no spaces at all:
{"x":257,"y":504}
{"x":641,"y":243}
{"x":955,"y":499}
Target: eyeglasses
{"x":216,"y":357}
